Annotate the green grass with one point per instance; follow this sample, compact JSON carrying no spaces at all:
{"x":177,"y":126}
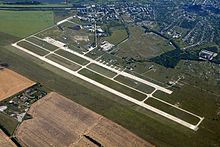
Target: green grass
{"x":101,"y":70}
{"x":33,"y":48}
{"x":141,"y":45}
{"x":117,"y":36}
{"x":24,"y":23}
{"x":96,"y":53}
{"x":6,"y":39}
{"x":72,"y":57}
{"x":42,"y":43}
{"x":166,"y":97}
{"x":132,"y":93}
{"x":135,"y":84}
{"x":29,"y":6}
{"x":63,"y":62}
{"x":172,"y":111}
{"x":7,"y":123}
{"x":151,"y":127}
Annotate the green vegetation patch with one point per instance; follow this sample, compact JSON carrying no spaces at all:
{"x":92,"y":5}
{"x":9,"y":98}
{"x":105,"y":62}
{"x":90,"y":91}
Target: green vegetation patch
{"x":33,"y":48}
{"x":132,"y":93}
{"x":72,"y":57}
{"x":117,"y":36}
{"x":165,"y":97}
{"x":141,"y":45}
{"x":7,"y":124}
{"x":63,"y":62}
{"x":172,"y":111}
{"x":6,"y":39}
{"x":135,"y":84}
{"x":42,"y":43}
{"x":24,"y":23}
{"x":102,"y":70}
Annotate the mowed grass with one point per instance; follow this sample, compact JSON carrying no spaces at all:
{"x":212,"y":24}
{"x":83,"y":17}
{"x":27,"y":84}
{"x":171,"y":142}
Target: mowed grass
{"x":72,"y":57}
{"x":165,"y":97}
{"x":121,"y":88}
{"x":42,"y":43}
{"x":101,"y":70}
{"x":135,"y":84}
{"x":63,"y":62}
{"x":33,"y":48}
{"x":172,"y":111}
{"x":24,"y":23}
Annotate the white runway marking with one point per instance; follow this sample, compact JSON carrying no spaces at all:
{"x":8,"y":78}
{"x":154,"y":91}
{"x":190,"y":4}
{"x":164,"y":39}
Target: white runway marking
{"x":140,"y":103}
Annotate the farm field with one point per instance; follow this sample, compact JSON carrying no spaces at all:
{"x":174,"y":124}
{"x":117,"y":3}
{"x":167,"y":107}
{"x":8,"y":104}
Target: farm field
{"x":12,"y":83}
{"x":25,"y":23}
{"x":45,"y":126}
{"x":5,"y":141}
{"x":8,"y":124}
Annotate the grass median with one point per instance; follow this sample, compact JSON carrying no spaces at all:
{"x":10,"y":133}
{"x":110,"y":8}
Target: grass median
{"x":172,"y":111}
{"x":42,"y":43}
{"x":33,"y":48}
{"x":121,"y":88}
{"x":72,"y":57}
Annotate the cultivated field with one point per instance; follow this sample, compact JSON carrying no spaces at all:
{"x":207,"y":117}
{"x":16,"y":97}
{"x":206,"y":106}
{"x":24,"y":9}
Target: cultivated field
{"x":5,"y":141}
{"x":58,"y":121}
{"x":12,"y":83}
{"x":109,"y":134}
{"x":25,"y":22}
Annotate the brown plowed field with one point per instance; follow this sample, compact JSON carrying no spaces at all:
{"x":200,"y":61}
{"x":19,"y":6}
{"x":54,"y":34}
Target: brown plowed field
{"x":58,"y":121}
{"x":5,"y":141}
{"x":12,"y":83}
